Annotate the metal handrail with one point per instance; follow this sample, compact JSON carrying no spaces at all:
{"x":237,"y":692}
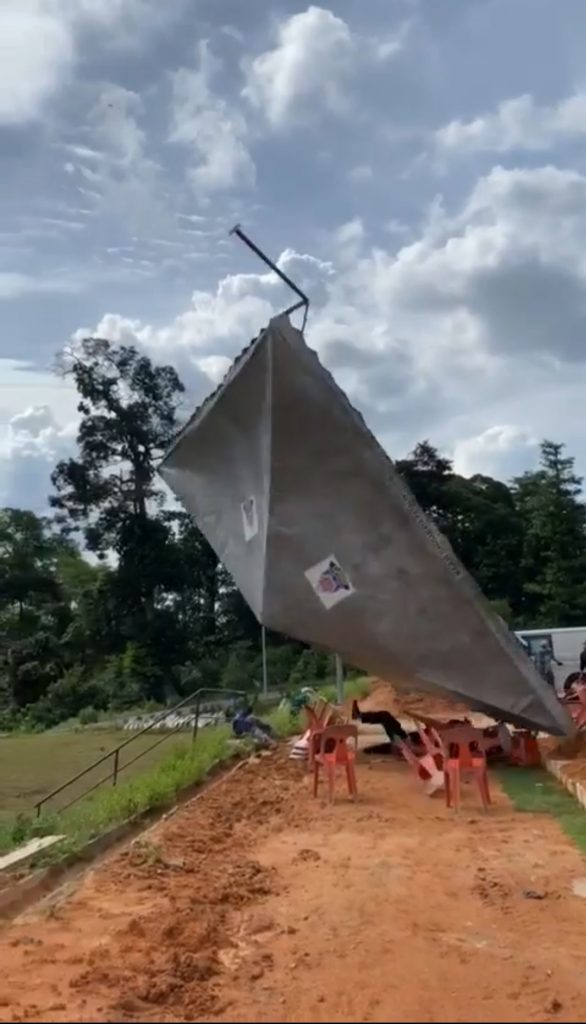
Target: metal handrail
{"x":115,"y":752}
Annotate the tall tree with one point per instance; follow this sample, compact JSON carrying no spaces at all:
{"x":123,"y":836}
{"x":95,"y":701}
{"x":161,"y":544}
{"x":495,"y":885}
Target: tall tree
{"x":478,"y":516}
{"x":486,"y":531}
{"x":428,"y":474}
{"x":33,"y":610}
{"x":554,"y":549}
{"x":109,"y":492}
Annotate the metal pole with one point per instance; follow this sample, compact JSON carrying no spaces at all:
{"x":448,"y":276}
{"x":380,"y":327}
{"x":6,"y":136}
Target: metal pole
{"x":303,"y":300}
{"x":339,"y":679}
{"x":116,"y":762}
{"x":195,"y":721}
{"x":265,"y":675}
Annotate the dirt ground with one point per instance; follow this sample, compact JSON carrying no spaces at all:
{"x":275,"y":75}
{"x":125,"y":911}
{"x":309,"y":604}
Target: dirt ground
{"x":255,"y":902}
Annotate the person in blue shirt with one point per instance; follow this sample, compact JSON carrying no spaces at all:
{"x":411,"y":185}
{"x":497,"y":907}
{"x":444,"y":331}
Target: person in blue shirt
{"x":245,"y":723}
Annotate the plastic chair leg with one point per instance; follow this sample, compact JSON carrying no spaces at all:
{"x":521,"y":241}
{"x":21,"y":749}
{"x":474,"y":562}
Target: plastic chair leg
{"x":351,"y":778}
{"x":331,"y":781}
{"x":482,"y":778}
{"x":455,"y":787}
{"x":315,"y":777}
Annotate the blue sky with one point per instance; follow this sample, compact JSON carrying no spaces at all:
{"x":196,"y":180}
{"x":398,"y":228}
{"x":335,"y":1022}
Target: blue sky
{"x":418,"y":165}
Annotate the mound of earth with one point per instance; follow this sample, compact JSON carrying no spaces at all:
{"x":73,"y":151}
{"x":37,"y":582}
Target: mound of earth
{"x":572,"y":750}
{"x":384,"y":696}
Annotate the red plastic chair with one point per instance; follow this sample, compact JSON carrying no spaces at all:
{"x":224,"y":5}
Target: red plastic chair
{"x":317,"y":720}
{"x":464,"y":758}
{"x":414,"y":760}
{"x":525,"y":749}
{"x":333,"y":751}
{"x":428,"y":767}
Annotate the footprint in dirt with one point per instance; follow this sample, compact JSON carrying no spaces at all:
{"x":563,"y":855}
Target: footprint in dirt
{"x":490,"y":890}
{"x":307,"y":856}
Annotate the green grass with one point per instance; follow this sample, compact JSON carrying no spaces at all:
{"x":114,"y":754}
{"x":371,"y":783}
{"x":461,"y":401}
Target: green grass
{"x":32,"y":765}
{"x":533,"y":790}
{"x":354,"y":688}
{"x":184,"y":764}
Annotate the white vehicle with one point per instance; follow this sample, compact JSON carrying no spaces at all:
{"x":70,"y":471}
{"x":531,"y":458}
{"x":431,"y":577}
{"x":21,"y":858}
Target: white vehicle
{"x":565,"y":645}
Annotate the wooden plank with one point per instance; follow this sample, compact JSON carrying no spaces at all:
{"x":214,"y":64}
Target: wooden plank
{"x":22,"y":853}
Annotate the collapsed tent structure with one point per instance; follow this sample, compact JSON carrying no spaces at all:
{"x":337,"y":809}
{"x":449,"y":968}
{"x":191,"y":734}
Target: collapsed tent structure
{"x":328,"y":545}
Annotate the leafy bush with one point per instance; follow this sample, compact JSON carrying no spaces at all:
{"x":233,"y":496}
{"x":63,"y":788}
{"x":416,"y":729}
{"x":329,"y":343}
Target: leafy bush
{"x":88,"y":716}
{"x":310,"y":667}
{"x":66,"y":697}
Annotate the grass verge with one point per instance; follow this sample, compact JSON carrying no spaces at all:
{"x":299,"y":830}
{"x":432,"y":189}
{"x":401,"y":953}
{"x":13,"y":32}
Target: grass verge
{"x":533,"y":790}
{"x":185,"y":764}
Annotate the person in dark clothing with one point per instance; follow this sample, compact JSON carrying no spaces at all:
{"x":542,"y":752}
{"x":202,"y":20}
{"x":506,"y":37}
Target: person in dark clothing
{"x":245,"y":723}
{"x":583,"y":659}
{"x":544,"y":659}
{"x":390,"y":724}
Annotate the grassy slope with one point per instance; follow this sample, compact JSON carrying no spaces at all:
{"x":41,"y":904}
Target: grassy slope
{"x":52,"y":757}
{"x":535,"y":791}
{"x":31,"y":765}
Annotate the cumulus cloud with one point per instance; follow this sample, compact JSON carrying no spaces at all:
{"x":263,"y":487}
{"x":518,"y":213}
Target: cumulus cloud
{"x":310,"y":66}
{"x":214,"y":130}
{"x":501,"y":451}
{"x":434,"y":337}
{"x":39,"y":43}
{"x":477,"y":322}
{"x":510,"y":263}
{"x":517,"y":124}
{"x":36,"y":57}
{"x":126,"y":182}
{"x":30,"y":446}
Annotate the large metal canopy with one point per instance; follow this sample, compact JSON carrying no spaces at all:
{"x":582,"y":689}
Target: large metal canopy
{"x":328,"y":545}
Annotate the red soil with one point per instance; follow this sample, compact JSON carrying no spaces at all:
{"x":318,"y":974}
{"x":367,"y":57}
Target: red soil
{"x":255,"y":902}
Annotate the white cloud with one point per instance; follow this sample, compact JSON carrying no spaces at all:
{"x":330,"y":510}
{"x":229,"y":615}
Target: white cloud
{"x":312,"y":58}
{"x":14,"y":285}
{"x":114,"y":118}
{"x":39,"y":43}
{"x":350,"y":239}
{"x":36,"y":58}
{"x":501,"y":451}
{"x":311,"y":64}
{"x":518,"y":123}
{"x":443,"y":336}
{"x":126,"y":180}
{"x":361,"y":172}
{"x":215,"y":132}
{"x":477,"y":322}
{"x":30,"y":446}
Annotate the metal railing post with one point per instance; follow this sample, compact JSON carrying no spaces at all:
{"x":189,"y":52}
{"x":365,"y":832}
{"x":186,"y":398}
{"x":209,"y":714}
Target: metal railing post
{"x":265,"y":674}
{"x":339,"y":679}
{"x":195,"y":721}
{"x":117,"y":767}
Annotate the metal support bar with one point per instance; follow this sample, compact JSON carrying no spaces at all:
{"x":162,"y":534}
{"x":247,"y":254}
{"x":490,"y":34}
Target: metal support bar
{"x":265,"y":675}
{"x":304,"y":301}
{"x":339,"y":679}
{"x":195,"y":721}
{"x":115,"y":752}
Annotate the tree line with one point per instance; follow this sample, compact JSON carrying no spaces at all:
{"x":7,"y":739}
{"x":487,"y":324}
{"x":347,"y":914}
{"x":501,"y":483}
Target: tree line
{"x":116,"y":599}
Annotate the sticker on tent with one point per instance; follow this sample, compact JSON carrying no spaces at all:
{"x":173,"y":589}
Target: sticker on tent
{"x":329,"y":581}
{"x":249,"y":518}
